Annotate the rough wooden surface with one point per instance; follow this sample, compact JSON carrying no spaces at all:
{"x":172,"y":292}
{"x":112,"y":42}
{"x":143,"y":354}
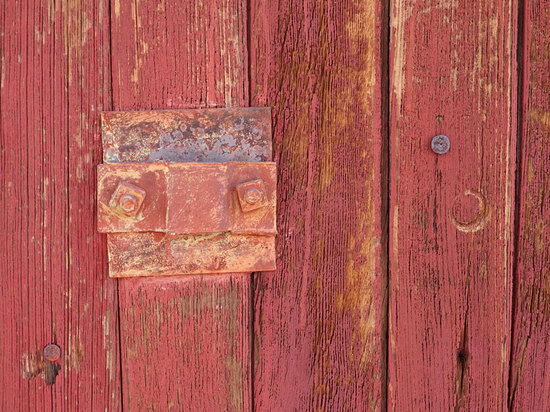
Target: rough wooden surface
{"x":319,"y":327}
{"x":530,"y":369}
{"x":54,"y":83}
{"x":452,"y":68}
{"x":185,"y":341}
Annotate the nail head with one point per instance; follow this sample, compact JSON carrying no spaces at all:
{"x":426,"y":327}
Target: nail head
{"x":441,"y":144}
{"x":52,"y":352}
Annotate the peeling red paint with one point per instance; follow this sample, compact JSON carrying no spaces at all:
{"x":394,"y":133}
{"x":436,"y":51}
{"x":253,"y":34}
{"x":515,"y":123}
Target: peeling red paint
{"x":34,"y":365}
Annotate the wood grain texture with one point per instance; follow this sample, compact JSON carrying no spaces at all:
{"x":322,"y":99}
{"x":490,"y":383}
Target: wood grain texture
{"x":319,"y":326}
{"x":452,"y":68}
{"x":530,"y":369}
{"x":54,"y":83}
{"x":185,"y":341}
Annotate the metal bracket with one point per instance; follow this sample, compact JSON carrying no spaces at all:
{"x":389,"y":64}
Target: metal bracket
{"x":166,"y":215}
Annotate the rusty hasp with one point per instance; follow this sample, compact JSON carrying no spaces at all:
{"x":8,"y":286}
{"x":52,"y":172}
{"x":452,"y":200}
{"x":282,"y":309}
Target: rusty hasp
{"x":187,"y":198}
{"x":188,"y":191}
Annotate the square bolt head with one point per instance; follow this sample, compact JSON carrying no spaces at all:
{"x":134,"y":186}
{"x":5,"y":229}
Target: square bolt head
{"x":252,"y":195}
{"x":127,"y":199}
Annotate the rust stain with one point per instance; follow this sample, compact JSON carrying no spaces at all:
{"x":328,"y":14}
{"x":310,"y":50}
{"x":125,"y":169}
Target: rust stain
{"x":34,"y":365}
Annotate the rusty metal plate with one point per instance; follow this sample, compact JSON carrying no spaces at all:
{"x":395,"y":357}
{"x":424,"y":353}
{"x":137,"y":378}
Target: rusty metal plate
{"x":136,"y":202}
{"x":155,"y":254}
{"x":187,"y":198}
{"x":194,"y":135}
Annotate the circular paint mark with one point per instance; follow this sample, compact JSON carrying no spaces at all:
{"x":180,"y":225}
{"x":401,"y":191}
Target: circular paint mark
{"x":471,"y":211}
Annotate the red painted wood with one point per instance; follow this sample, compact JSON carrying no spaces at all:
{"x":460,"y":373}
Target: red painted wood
{"x":451,"y":216}
{"x":319,"y":323}
{"x":319,"y":327}
{"x":185,"y":341}
{"x":54,"y":82}
{"x":530,"y":369}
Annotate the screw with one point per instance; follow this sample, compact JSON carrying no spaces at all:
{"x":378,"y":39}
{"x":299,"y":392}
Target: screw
{"x":52,"y":352}
{"x":128,"y":203}
{"x":441,"y":144}
{"x":253,"y":196}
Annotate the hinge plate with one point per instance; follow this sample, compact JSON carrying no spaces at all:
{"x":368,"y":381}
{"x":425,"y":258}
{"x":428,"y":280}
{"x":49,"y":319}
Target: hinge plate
{"x":188,"y":191}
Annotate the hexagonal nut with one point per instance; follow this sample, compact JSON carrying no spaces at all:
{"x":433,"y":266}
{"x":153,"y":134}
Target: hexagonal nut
{"x":252,"y":195}
{"x":127,"y":199}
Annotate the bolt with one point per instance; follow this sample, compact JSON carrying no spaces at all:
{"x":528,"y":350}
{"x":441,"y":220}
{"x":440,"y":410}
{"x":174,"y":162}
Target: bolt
{"x":52,"y":352}
{"x":253,"y":196}
{"x":441,"y":144}
{"x":128,"y":203}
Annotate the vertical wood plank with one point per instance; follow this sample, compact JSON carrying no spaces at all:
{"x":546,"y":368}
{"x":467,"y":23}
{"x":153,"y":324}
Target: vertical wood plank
{"x":451,"y":216}
{"x":530,"y":371}
{"x":185,"y":341}
{"x":320,"y":320}
{"x":54,"y":82}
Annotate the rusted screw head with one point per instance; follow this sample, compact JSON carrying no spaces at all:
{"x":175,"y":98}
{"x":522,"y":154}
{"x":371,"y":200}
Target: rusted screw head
{"x":253,"y":196}
{"x":52,"y":352}
{"x":128,"y":203}
{"x":441,"y":144}
{"x":127,"y":199}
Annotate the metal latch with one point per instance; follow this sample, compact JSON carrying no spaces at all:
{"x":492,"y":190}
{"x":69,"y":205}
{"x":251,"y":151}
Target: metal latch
{"x":188,"y":191}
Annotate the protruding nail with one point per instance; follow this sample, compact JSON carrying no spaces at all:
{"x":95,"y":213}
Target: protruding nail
{"x":52,"y":352}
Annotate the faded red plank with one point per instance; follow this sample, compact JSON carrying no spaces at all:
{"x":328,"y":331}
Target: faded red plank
{"x":54,"y":82}
{"x":320,"y":320}
{"x":451,"y":216}
{"x":530,"y":371}
{"x":185,"y":341}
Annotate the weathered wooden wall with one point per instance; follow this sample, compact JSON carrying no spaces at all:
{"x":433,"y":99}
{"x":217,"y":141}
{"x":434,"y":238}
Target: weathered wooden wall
{"x":370,"y":219}
{"x":530,"y":368}
{"x":453,"y":72}
{"x":320,"y":320}
{"x":185,"y":342}
{"x":55,"y":81}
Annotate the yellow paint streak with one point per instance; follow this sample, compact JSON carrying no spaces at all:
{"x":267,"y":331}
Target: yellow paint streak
{"x":358,"y":298}
{"x":395,"y":248}
{"x":540,"y":230}
{"x":541,"y":117}
{"x":109,"y":346}
{"x":117,"y":8}
{"x":75,"y":354}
